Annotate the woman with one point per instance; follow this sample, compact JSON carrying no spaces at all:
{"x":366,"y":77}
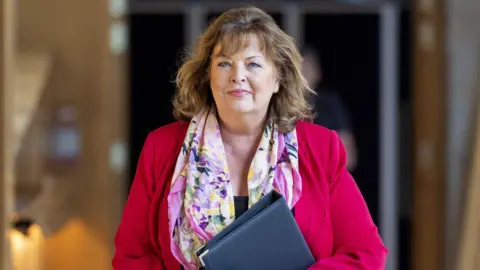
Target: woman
{"x":242,"y":105}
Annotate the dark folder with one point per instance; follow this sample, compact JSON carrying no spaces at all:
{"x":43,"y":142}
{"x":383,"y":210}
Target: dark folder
{"x":264,"y":237}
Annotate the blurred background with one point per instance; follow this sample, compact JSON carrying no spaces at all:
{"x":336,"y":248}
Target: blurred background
{"x":83,"y":82}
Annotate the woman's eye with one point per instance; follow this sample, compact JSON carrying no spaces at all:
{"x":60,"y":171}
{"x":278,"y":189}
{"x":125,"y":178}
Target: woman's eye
{"x":223,"y":64}
{"x":255,"y":65}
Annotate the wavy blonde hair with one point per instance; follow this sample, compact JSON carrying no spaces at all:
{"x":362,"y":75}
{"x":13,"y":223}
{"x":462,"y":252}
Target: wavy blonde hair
{"x":231,"y":31}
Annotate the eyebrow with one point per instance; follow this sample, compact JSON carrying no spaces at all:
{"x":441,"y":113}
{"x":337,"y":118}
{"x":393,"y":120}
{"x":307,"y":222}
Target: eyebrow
{"x":254,"y":56}
{"x":248,"y":58}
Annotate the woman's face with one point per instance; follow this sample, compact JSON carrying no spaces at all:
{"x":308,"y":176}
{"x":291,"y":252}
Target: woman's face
{"x":243,"y":82}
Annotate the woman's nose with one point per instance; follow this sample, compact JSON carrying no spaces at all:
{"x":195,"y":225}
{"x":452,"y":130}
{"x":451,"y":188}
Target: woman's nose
{"x":238,"y":75}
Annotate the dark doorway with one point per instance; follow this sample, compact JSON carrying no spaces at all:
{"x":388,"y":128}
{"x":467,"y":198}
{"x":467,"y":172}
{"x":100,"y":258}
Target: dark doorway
{"x":156,"y":45}
{"x":406,"y":143}
{"x":348,"y":46}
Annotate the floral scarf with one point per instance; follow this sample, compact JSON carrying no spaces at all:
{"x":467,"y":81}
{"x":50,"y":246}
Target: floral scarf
{"x":201,"y":200}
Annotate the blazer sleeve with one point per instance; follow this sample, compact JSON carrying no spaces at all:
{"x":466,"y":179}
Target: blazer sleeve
{"x":134,"y":249}
{"x":357,"y":243}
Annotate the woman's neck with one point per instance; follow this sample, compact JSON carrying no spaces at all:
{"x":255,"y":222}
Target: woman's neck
{"x":243,"y":129}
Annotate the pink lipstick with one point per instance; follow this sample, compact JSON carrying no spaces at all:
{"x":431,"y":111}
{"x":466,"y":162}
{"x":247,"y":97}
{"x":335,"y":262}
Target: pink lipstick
{"x":238,"y":92}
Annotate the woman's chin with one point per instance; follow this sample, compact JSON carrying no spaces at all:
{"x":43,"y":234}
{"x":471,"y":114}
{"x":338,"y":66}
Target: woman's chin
{"x":240,"y":107}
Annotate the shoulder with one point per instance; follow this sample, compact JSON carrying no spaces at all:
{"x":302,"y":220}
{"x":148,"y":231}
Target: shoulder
{"x":160,"y":150}
{"x":166,"y":140}
{"x":168,"y":137}
{"x":320,"y":146}
{"x":169,"y":132}
{"x":314,"y":135}
{"x":308,"y":130}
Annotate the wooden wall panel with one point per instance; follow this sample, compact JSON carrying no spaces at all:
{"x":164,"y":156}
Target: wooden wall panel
{"x":87,"y":75}
{"x":429,"y":134}
{"x":7,"y":44}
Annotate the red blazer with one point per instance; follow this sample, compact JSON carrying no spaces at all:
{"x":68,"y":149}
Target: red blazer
{"x":332,"y":214}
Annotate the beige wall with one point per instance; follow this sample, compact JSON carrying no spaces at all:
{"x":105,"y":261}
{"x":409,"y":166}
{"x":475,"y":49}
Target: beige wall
{"x":463,"y":54}
{"x":77,"y":34}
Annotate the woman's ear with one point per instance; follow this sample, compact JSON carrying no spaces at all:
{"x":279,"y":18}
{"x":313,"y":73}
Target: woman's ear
{"x":277,"y":80}
{"x":277,"y":86}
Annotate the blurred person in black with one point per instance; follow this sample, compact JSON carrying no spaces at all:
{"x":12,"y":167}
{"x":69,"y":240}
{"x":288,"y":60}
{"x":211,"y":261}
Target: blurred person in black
{"x":330,"y":110}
